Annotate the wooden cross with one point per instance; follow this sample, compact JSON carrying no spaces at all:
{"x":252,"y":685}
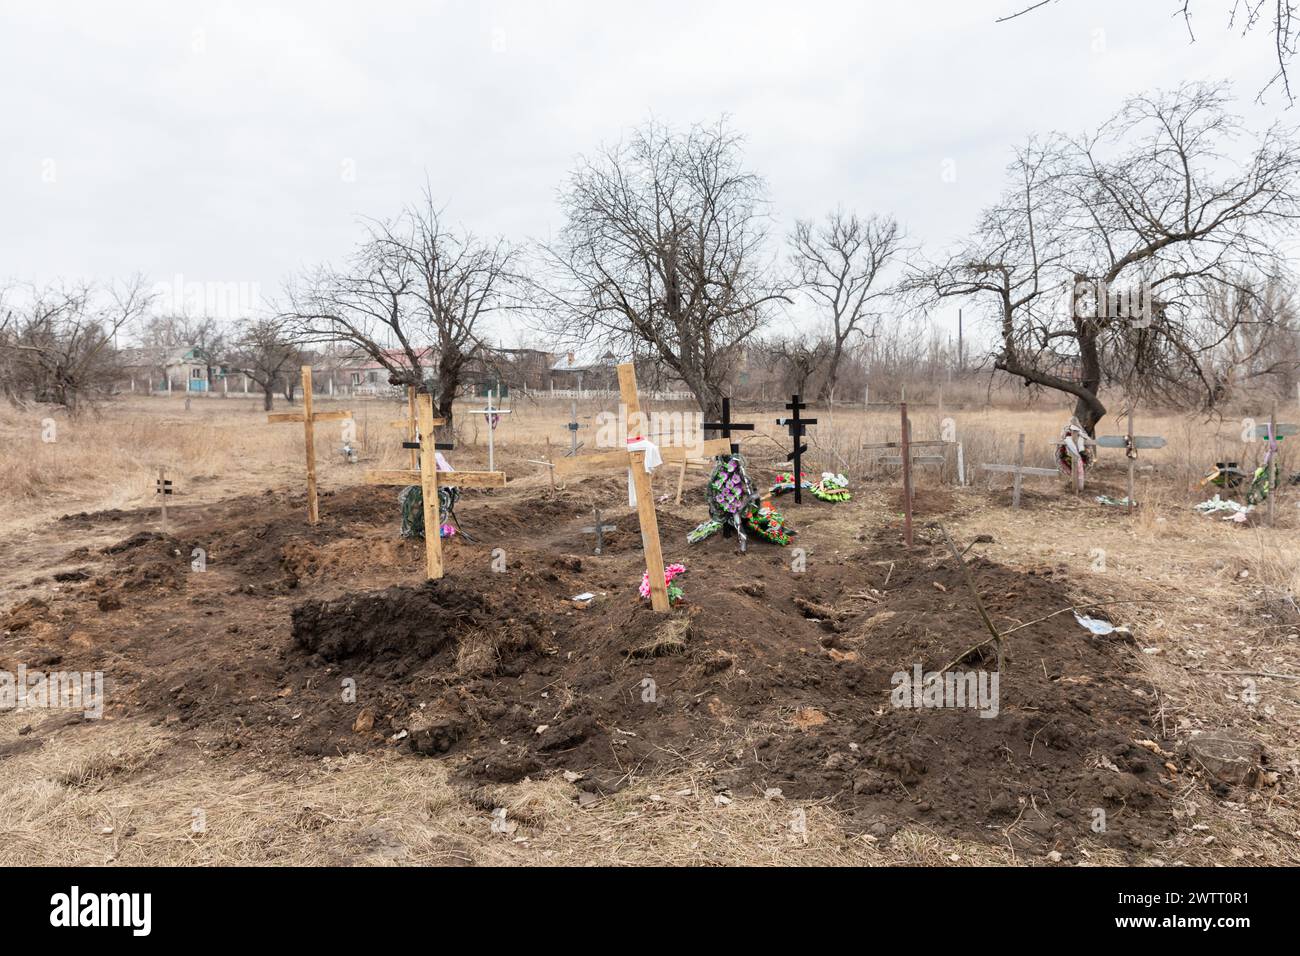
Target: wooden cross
{"x":309,"y":418}
{"x":492,"y":426}
{"x":797,"y":427}
{"x":427,"y":478}
{"x":599,"y":529}
{"x":163,"y":488}
{"x":547,"y":461}
{"x":727,"y":426}
{"x":1019,"y":470}
{"x":626,"y":458}
{"x":1130,"y":443}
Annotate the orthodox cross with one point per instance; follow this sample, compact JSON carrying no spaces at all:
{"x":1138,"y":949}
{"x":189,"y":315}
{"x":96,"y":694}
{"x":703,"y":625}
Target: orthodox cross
{"x":727,"y":426}
{"x":797,"y":426}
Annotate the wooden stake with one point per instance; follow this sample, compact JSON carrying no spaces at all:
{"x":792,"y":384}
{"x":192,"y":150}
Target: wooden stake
{"x":413,"y":426}
{"x":645,"y":503}
{"x":907,"y":476}
{"x":1271,"y":474}
{"x":1132,"y":460}
{"x":1020,"y":472}
{"x":429,"y":491}
{"x":309,"y":437}
{"x":162,"y":493}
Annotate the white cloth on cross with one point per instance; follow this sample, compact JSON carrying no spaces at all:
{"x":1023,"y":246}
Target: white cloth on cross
{"x":653,"y":459}
{"x":442,"y":462}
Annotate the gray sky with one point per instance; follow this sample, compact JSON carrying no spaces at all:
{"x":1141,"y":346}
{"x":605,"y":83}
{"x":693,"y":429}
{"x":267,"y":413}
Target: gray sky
{"x":219,"y":143}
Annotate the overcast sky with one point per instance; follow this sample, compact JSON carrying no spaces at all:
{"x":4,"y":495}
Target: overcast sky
{"x":239,"y":142}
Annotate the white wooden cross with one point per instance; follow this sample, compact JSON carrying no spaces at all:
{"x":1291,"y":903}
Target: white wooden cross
{"x":427,"y":478}
{"x":492,"y":426}
{"x":309,"y":418}
{"x":635,"y":461}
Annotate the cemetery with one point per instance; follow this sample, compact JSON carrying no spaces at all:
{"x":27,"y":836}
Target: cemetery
{"x":591,"y":435}
{"x":522,"y":648}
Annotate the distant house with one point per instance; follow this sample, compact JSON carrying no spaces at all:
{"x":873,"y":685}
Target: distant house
{"x":188,"y":370}
{"x":365,"y":375}
{"x":572,"y":372}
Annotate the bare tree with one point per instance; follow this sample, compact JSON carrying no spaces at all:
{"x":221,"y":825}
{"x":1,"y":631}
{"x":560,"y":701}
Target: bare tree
{"x":1247,"y":16}
{"x":662,"y":254}
{"x":797,"y":360}
{"x":264,"y":349}
{"x":1099,"y":262}
{"x":414,"y":295}
{"x":60,"y":346}
{"x":838,"y":263}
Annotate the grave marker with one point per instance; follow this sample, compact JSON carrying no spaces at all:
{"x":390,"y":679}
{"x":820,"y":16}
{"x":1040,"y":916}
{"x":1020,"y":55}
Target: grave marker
{"x":1130,"y":443}
{"x":309,"y":418}
{"x":727,"y":426}
{"x":599,"y":529}
{"x":163,"y":488}
{"x":573,"y":427}
{"x":633,"y":459}
{"x":427,"y":478}
{"x":797,"y":427}
{"x":491,"y":414}
{"x":1019,"y":470}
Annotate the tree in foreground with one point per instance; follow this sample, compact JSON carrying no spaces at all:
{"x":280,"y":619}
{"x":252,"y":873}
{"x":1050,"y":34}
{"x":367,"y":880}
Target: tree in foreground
{"x":662,"y":255}
{"x":1102,"y":263}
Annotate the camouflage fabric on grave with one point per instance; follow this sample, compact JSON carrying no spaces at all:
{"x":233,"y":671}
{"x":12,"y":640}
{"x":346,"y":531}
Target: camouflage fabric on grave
{"x":411,"y":501}
{"x":734,"y":503}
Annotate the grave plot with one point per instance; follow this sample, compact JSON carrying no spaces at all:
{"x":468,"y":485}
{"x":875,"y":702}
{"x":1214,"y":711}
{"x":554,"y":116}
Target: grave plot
{"x":762,"y":679}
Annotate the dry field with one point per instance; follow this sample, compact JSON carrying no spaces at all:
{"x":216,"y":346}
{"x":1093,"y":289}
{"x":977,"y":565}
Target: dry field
{"x":214,"y":750}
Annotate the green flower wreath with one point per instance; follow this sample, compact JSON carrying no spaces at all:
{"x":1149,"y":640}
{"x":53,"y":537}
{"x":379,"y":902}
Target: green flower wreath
{"x":734,"y":503}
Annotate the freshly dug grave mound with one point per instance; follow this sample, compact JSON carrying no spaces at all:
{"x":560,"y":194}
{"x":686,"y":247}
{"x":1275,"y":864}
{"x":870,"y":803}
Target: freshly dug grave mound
{"x":772,"y":681}
{"x":401,"y":626}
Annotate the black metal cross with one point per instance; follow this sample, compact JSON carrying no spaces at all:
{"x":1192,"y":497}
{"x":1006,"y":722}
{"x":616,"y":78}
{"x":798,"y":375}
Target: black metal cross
{"x":727,"y":426}
{"x":797,"y":426}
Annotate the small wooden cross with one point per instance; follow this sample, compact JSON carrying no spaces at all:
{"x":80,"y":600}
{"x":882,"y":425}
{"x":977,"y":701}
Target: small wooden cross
{"x":163,"y":488}
{"x":1130,"y":443}
{"x":1019,"y":470}
{"x":626,"y":458}
{"x":309,"y":419}
{"x":727,"y":426}
{"x":427,"y":478}
{"x":492,"y":425}
{"x":797,"y":427}
{"x":599,"y":529}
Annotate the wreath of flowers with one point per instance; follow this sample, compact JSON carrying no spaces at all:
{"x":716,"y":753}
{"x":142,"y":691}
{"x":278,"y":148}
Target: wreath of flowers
{"x":1064,"y":461}
{"x":675,"y":592}
{"x":832,"y":487}
{"x":734,"y":503}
